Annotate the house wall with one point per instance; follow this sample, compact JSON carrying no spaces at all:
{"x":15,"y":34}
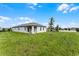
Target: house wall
{"x":41,"y":30}
{"x":1,"y":29}
{"x":21,"y":29}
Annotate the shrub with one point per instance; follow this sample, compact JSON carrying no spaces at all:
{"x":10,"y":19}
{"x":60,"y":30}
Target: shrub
{"x":9,"y":29}
{"x":77,"y":29}
{"x":57,"y":28}
{"x":3,"y":30}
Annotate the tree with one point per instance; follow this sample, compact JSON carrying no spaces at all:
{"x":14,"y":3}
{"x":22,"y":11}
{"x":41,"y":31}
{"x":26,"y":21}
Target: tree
{"x":57,"y":28}
{"x":51,"y":24}
{"x":9,"y":29}
{"x":3,"y":30}
{"x":77,"y":29}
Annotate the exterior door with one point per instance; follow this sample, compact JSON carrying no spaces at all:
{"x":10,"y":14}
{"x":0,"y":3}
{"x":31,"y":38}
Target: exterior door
{"x":29,"y":29}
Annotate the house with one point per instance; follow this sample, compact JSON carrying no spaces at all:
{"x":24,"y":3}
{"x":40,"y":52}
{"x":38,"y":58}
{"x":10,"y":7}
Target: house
{"x":1,"y":29}
{"x":29,"y":28}
{"x":68,"y":30}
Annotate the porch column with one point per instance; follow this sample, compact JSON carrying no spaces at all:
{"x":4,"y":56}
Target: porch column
{"x":32,"y":29}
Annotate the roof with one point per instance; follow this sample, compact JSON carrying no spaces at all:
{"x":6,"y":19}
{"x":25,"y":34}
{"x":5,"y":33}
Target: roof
{"x":30,"y":24}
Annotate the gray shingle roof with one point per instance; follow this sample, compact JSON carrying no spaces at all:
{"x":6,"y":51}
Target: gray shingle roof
{"x":30,"y":24}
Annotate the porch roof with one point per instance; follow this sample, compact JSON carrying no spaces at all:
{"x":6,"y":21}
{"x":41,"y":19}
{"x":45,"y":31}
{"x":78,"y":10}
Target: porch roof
{"x":30,"y":24}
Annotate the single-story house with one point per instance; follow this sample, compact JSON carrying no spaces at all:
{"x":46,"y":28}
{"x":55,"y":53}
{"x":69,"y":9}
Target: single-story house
{"x":1,"y":29}
{"x":29,"y":28}
{"x":68,"y":30}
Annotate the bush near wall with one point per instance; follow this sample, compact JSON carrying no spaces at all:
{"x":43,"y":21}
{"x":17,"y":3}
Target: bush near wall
{"x":77,"y":29}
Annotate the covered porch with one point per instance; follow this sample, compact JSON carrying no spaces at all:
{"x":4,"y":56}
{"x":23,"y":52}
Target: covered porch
{"x":32,"y":29}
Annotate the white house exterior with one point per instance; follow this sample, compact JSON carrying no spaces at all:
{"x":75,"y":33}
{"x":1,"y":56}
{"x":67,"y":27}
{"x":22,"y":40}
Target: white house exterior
{"x":67,"y":30}
{"x":29,"y":28}
{"x":1,"y":29}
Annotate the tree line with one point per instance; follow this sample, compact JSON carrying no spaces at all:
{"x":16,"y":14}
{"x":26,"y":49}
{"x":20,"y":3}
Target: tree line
{"x":51,"y":27}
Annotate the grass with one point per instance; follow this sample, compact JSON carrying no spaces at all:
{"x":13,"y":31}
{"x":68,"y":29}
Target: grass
{"x":41,"y":44}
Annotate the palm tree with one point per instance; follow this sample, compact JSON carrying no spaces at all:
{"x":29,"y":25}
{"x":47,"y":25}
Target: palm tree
{"x":51,"y":24}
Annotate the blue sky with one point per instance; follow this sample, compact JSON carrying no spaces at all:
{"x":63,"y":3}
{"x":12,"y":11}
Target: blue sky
{"x":66,"y":15}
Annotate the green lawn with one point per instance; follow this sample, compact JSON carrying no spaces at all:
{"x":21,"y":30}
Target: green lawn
{"x":42,"y":44}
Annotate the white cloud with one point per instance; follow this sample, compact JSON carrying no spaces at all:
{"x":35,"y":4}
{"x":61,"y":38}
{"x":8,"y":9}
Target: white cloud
{"x":39,"y":6}
{"x":73,"y":24}
{"x":44,"y":23}
{"x":65,"y":8}
{"x":23,"y":20}
{"x":34,"y":6}
{"x":8,"y":22}
{"x":65,"y":11}
{"x":74,"y":8}
{"x":69,"y":25}
{"x":3,"y":19}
